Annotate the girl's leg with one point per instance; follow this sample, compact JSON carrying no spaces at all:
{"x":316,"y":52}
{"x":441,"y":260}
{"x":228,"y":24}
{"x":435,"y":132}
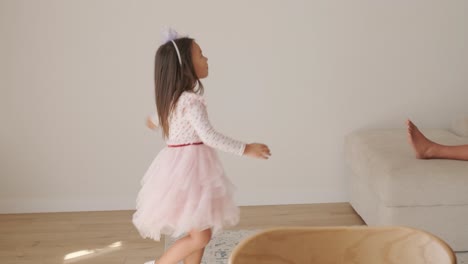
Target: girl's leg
{"x":195,"y":257}
{"x":427,"y":149}
{"x":186,"y":246}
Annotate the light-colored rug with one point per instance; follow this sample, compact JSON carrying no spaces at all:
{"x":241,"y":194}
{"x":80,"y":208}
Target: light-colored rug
{"x":220,"y":247}
{"x":462,"y":258}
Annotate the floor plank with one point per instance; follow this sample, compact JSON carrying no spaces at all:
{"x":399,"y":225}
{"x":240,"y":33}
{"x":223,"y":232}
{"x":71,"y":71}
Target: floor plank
{"x":109,"y":236}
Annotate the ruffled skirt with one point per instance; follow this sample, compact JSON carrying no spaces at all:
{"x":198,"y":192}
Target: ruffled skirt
{"x":185,"y":189}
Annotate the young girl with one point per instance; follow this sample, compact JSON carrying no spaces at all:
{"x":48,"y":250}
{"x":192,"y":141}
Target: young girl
{"x":185,"y":190}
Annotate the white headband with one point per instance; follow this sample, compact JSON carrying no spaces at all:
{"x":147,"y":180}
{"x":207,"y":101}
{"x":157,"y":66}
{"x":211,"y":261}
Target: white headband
{"x":169,"y":34}
{"x":177,"y":50}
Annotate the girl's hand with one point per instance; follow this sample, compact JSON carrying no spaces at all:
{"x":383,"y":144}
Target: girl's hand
{"x":150,"y":124}
{"x":256,"y":150}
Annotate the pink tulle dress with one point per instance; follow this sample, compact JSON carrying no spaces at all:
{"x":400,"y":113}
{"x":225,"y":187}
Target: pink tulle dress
{"x":185,"y":187}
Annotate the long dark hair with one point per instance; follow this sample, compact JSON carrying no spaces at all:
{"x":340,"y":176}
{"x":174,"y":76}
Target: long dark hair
{"x":171,"y":78}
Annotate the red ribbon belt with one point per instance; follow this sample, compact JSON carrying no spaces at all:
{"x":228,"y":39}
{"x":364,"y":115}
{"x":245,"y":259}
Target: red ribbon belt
{"x":183,"y":145}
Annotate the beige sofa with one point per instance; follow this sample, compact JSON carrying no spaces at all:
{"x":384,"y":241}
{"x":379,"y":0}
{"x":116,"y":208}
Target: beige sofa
{"x":389,"y":186}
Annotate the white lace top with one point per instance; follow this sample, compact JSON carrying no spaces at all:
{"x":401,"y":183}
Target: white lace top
{"x":189,"y":123}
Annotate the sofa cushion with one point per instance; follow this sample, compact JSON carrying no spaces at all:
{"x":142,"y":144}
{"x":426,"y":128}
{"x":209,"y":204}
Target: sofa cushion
{"x":384,"y":160}
{"x":460,"y":126}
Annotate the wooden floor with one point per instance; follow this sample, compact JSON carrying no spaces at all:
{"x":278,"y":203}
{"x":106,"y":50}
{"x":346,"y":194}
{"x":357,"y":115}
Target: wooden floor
{"x":109,"y":237}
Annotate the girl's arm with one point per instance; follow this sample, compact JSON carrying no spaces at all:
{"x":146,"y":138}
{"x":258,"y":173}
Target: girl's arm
{"x":198,"y":118}
{"x":152,"y":122}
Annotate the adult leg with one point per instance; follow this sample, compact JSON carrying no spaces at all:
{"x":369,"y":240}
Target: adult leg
{"x":427,"y":149}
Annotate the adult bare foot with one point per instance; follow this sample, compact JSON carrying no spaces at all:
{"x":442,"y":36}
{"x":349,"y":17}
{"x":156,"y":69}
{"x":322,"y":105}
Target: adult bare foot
{"x":422,"y":146}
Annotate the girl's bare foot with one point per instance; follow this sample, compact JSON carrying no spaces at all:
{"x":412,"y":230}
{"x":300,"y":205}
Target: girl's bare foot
{"x":422,"y":146}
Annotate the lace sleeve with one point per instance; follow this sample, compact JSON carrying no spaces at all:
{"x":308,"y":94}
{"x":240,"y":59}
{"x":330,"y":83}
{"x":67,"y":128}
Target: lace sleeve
{"x":155,"y":119}
{"x":198,"y":118}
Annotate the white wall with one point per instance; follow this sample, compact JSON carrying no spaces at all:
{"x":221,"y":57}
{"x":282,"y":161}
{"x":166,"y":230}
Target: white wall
{"x":76,"y":84}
